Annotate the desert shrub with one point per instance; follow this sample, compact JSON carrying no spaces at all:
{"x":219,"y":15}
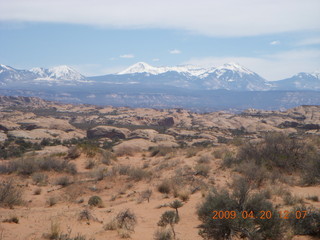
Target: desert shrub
{"x":124,"y":222}
{"x":191,"y":152}
{"x":40,"y":178}
{"x":227,"y":159}
{"x":202,"y":170}
{"x":184,"y":195}
{"x":276,"y":151}
{"x":126,"y":219}
{"x":169,"y":218}
{"x":160,"y":151}
{"x":10,"y":195}
{"x":16,"y":148}
{"x":25,"y":166}
{"x":204,"y":159}
{"x":13,"y":219}
{"x":95,"y":201}
{"x":63,"y":181}
{"x":146,"y":194}
{"x":240,"y":200}
{"x":163,"y":234}
{"x":73,"y":152}
{"x":90,"y":148}
{"x":165,"y":186}
{"x":313,"y":198}
{"x":98,"y":174}
{"x":112,"y":225}
{"x":308,"y":224}
{"x":124,"y":233}
{"x":252,"y":172}
{"x":107,"y":157}
{"x":123,"y":169}
{"x":85,"y":214}
{"x":71,"y":168}
{"x":290,"y":200}
{"x":123,"y":150}
{"x":51,"y":201}
{"x":37,"y":191}
{"x":90,"y":163}
{"x":138,"y":174}
{"x":311,"y":175}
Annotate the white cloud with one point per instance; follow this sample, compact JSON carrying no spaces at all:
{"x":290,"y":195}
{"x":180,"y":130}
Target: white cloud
{"x":309,"y":41}
{"x":271,"y":67}
{"x":127,"y":56}
{"x":275,"y":42}
{"x":215,"y":18}
{"x":156,"y":60}
{"x":175,"y":51}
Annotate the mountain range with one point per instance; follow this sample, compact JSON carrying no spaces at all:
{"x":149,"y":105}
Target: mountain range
{"x":228,"y":86}
{"x":230,"y":76}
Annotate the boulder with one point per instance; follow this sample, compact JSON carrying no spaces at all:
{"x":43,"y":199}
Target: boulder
{"x":143,"y":133}
{"x":108,"y":131}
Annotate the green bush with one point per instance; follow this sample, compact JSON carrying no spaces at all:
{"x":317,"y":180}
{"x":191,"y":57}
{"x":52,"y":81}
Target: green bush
{"x":308,"y":225}
{"x":95,"y":201}
{"x":240,"y":200}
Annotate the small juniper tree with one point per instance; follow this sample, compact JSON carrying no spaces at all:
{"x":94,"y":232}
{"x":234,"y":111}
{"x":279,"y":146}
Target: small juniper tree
{"x":175,"y":205}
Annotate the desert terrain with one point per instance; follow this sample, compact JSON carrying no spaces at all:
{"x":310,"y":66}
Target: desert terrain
{"x":91,"y":172}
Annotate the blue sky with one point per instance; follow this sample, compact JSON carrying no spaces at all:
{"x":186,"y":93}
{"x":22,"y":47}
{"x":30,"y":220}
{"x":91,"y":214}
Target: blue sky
{"x":273,"y":38}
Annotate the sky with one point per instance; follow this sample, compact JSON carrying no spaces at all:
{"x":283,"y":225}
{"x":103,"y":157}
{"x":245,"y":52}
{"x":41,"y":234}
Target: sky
{"x":275,"y":38}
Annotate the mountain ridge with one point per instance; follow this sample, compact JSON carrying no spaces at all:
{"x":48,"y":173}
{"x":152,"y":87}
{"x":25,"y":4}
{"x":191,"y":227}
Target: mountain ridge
{"x":230,"y":76}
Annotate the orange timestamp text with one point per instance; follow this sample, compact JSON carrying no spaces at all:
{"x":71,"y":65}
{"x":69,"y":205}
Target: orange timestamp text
{"x":258,"y":215}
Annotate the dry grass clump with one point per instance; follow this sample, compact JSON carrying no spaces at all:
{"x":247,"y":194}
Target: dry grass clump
{"x":90,"y":163}
{"x":165,"y":186}
{"x":202,"y":170}
{"x":10,"y":194}
{"x":124,"y":150}
{"x":163,"y":234}
{"x":160,"y":151}
{"x":107,"y":157}
{"x":184,"y":195}
{"x":40,"y":178}
{"x":28,"y":166}
{"x":63,"y":181}
{"x":134,"y":173}
{"x":124,"y":223}
{"x":204,"y":159}
{"x":51,"y":201}
{"x":37,"y":191}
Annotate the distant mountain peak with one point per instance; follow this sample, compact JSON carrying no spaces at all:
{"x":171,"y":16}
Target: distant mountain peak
{"x":5,"y":67}
{"x":233,"y":66}
{"x":140,"y":67}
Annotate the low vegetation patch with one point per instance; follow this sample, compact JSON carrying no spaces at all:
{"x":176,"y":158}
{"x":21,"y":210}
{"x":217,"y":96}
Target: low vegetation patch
{"x":10,"y":194}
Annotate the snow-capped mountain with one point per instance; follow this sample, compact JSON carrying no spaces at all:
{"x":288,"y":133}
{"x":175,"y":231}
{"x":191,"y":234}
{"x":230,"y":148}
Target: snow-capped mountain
{"x":231,"y":76}
{"x":300,"y":81}
{"x":59,"y":74}
{"x":8,"y":74}
{"x":142,"y":67}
